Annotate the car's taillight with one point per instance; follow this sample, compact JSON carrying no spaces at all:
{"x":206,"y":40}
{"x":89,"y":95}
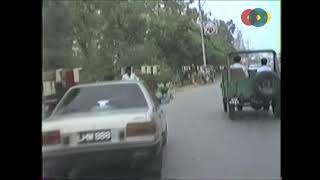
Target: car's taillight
{"x":51,"y":138}
{"x":141,"y":129}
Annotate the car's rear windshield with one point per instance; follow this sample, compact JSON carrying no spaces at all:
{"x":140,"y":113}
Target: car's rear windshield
{"x":102,"y":98}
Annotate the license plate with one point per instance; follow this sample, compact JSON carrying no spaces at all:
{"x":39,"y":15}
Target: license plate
{"x":94,"y":136}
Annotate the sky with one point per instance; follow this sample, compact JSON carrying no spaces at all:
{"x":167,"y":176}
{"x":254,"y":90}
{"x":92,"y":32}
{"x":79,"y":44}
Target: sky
{"x":265,"y":37}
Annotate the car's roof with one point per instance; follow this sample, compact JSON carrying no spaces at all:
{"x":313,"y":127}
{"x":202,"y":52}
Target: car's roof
{"x":106,"y":83}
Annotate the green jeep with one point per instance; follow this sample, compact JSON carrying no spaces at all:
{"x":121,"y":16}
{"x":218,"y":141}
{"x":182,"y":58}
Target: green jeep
{"x":258,"y":90}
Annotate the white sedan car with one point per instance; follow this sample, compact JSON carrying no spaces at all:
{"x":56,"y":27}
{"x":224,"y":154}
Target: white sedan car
{"x":107,"y":124}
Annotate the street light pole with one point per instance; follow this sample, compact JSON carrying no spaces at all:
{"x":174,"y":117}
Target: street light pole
{"x":202,"y":38}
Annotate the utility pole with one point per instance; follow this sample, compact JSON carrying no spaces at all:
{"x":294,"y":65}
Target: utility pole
{"x":202,"y":38}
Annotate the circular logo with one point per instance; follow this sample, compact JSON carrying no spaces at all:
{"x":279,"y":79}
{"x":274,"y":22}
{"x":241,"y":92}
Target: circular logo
{"x":257,"y":17}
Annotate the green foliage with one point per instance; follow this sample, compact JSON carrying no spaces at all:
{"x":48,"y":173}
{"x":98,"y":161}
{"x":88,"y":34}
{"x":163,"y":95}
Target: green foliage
{"x":102,"y":36}
{"x":56,"y":37}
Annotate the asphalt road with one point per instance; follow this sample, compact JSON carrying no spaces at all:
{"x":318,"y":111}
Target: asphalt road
{"x":204,"y":144}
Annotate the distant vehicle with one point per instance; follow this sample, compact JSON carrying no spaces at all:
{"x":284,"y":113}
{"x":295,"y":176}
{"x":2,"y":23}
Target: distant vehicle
{"x":107,"y":124}
{"x":259,"y":90}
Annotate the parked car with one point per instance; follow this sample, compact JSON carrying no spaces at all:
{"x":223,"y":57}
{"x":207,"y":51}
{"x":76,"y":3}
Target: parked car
{"x":109,"y":124}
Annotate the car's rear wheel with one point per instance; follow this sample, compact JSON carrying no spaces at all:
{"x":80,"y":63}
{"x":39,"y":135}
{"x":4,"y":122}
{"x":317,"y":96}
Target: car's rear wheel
{"x":266,"y":107}
{"x":231,"y":111}
{"x":154,"y":167}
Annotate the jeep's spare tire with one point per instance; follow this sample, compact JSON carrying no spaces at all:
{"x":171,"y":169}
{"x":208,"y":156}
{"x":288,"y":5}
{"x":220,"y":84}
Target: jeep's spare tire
{"x":266,"y":85}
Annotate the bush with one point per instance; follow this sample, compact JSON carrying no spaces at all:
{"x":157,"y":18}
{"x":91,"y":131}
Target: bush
{"x":150,"y":81}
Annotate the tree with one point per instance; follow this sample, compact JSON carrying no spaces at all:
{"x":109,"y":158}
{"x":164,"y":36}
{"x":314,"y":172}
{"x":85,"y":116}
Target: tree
{"x":57,"y":41}
{"x":96,"y":34}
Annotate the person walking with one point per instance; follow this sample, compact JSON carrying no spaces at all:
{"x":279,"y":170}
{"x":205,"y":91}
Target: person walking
{"x":129,"y":75}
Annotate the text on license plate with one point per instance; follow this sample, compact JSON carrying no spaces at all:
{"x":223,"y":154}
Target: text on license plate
{"x":94,"y":136}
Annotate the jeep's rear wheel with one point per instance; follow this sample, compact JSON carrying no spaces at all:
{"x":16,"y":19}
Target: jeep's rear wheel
{"x":256,"y":106}
{"x":225,"y":104}
{"x":231,"y":111}
{"x":276,"y":108}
